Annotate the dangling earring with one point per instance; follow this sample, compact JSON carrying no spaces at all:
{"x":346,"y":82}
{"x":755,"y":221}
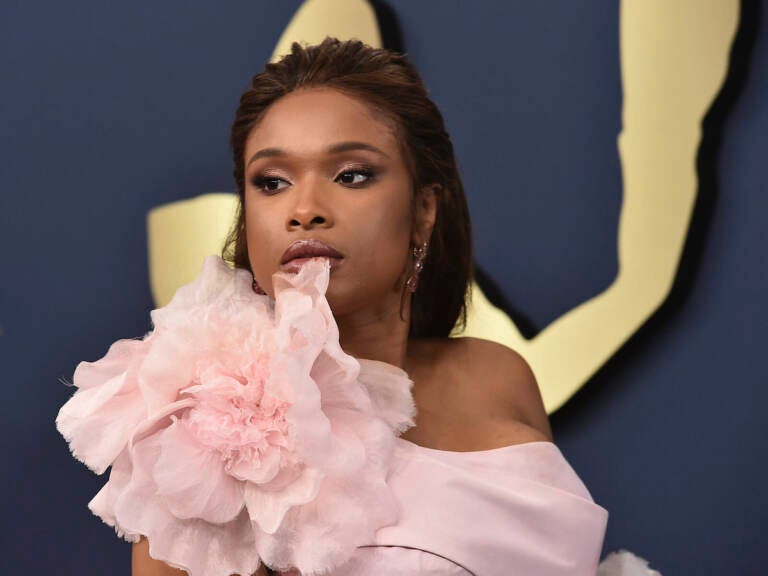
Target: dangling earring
{"x":420,"y":253}
{"x":257,"y":288}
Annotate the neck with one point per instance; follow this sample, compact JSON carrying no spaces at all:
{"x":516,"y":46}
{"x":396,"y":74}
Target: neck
{"x":376,"y":334}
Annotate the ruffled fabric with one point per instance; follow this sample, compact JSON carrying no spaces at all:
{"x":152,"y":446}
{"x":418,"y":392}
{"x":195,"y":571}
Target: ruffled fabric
{"x":238,"y":431}
{"x":625,"y":563}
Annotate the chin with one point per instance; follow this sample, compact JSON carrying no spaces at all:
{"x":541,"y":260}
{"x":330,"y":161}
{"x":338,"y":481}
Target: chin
{"x":340,"y":303}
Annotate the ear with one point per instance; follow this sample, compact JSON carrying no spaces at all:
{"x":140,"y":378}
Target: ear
{"x":425,"y":213}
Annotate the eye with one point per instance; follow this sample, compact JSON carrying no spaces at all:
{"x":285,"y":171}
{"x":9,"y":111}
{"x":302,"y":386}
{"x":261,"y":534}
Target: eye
{"x":352,"y":177}
{"x":268,"y":184}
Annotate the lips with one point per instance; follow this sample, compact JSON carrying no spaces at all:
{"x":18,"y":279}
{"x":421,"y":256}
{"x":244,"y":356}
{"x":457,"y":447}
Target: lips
{"x":302,"y":250}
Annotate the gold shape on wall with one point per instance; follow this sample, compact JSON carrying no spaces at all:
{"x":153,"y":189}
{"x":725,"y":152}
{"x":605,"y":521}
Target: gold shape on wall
{"x":316,"y":19}
{"x":674,"y":59}
{"x":180,"y":235}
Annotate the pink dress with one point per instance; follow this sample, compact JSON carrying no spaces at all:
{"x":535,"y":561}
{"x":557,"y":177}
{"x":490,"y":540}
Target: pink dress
{"x":239,"y":432}
{"x":518,"y":509}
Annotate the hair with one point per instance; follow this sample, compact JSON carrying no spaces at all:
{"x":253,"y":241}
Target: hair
{"x":389,"y":84}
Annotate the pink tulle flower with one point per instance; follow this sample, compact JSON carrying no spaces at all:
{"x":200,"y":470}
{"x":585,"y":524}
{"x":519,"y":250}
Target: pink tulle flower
{"x":238,"y":431}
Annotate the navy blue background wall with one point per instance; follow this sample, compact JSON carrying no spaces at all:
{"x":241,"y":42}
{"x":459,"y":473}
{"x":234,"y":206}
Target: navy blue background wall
{"x":110,"y":109}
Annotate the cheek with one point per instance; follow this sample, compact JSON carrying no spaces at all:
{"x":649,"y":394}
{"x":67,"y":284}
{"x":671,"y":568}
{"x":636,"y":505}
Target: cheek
{"x":260,"y":238}
{"x":381,"y":243}
{"x":387,"y":234}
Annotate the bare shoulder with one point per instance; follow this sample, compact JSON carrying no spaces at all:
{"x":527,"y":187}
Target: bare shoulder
{"x":503,"y":386}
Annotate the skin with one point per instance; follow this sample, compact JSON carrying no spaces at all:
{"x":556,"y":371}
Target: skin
{"x":470,"y":394}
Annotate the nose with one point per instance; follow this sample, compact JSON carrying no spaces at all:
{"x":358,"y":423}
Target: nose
{"x":309,"y":209}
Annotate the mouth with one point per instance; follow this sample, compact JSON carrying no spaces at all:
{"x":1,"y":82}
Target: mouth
{"x":301,"y":251}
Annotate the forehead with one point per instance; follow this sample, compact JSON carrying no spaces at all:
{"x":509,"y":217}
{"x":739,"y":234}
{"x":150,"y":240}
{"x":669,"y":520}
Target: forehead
{"x":306,"y":121}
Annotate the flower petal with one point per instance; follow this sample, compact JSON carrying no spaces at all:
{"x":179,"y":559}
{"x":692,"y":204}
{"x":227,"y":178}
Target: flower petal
{"x":267,"y":508}
{"x":192,"y":479}
{"x":261,"y":471}
{"x":199,"y":547}
{"x":101,"y":415}
{"x":242,"y":431}
{"x":390,"y":389}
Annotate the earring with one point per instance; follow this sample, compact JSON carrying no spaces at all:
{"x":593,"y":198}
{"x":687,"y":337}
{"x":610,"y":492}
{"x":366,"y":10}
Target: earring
{"x":257,"y":288}
{"x":420,"y":253}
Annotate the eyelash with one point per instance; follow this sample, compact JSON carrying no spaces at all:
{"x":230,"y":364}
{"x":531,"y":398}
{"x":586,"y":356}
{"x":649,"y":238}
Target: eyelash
{"x":261,"y":179}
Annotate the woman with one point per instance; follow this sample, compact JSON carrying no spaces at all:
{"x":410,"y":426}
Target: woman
{"x":340,"y":154}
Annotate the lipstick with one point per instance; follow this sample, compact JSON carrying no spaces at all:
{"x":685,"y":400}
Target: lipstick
{"x":301,"y":251}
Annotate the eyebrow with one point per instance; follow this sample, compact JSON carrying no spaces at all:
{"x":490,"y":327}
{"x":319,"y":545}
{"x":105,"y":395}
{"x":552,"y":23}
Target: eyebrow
{"x":333,"y":149}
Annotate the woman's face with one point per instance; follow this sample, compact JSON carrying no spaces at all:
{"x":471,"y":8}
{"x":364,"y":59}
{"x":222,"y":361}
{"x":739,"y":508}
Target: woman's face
{"x":319,"y":166}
